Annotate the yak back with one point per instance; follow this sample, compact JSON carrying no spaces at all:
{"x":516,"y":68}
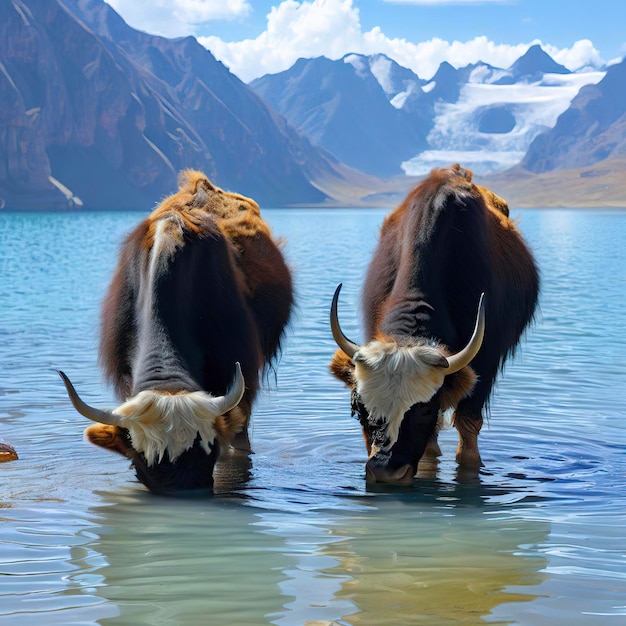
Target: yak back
{"x":448,"y":242}
{"x":224,"y":294}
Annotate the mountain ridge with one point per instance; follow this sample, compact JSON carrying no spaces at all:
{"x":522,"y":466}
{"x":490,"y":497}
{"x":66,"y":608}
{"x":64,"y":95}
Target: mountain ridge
{"x":96,"y":114}
{"x":345,"y":110}
{"x":381,"y":118}
{"x":99,"y":115}
{"x":591,"y":130}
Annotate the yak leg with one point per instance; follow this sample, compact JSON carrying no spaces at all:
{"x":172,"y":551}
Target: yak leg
{"x":429,"y":463}
{"x":432,"y":450}
{"x":241,"y":442}
{"x":468,"y":427}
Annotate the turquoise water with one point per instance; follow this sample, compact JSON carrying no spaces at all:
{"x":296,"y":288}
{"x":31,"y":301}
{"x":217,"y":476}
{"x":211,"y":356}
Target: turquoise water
{"x":296,"y":538}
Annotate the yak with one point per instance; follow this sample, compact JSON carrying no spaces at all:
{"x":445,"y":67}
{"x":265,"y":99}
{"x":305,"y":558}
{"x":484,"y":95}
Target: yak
{"x":194,"y":313}
{"x":448,"y":293}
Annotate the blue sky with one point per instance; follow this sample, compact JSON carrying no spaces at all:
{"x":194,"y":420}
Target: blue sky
{"x":254,"y":37}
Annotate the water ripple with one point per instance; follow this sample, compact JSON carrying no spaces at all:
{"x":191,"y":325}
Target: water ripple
{"x":536,"y":537}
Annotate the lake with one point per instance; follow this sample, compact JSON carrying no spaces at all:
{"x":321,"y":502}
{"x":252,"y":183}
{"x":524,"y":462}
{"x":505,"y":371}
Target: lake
{"x":297,"y":538}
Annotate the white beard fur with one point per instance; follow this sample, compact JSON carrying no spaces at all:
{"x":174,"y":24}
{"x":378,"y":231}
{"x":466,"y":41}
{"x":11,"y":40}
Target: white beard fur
{"x":158,"y":422}
{"x":392,"y":378}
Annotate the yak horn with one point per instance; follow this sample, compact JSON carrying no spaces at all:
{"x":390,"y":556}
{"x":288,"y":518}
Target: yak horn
{"x":461,"y":359}
{"x":349,"y":347}
{"x":234,"y":395}
{"x":97,"y":415}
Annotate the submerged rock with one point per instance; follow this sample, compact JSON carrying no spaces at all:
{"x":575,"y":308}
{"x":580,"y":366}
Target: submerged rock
{"x":7,"y":453}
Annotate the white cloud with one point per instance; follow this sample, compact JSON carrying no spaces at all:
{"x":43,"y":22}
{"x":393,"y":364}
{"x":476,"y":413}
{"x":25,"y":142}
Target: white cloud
{"x":433,"y":2}
{"x":328,"y":28}
{"x":174,"y":18}
{"x":581,"y":54}
{"x":332,"y":28}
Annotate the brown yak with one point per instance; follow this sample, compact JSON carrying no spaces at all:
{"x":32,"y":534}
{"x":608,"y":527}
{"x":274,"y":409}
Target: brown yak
{"x":427,"y":349}
{"x":196,"y":309}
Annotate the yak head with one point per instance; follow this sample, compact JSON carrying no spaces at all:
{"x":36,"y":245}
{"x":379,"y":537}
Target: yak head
{"x":173,"y":439}
{"x":400,"y":388}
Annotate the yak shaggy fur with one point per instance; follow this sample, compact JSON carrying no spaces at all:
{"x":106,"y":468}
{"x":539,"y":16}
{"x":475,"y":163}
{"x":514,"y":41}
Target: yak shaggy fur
{"x":232,"y":304}
{"x":445,"y":244}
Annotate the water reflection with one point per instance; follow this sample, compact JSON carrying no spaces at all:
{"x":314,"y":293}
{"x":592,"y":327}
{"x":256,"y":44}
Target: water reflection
{"x":438,"y":554}
{"x":232,"y":471}
{"x":431,"y":556}
{"x":444,"y":564}
{"x":197,"y":561}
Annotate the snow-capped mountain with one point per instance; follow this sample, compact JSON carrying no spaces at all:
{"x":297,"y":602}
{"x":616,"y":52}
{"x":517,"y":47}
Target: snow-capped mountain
{"x":591,"y":130}
{"x":382,"y":118}
{"x":490,"y":126}
{"x":401,"y":85}
{"x":362,"y":109}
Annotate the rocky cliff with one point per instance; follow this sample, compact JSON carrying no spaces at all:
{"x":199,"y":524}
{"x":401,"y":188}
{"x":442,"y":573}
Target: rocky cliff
{"x":364,"y":110}
{"x":96,"y":114}
{"x":591,"y":130}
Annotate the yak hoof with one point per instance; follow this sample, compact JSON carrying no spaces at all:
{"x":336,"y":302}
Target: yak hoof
{"x":469,"y":459}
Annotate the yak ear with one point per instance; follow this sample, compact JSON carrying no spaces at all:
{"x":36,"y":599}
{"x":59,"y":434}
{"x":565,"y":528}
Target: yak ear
{"x":456,"y":387}
{"x":342,"y":368}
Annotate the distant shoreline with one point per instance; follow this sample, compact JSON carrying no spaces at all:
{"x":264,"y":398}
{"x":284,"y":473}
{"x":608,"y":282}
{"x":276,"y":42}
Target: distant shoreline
{"x":599,"y":186}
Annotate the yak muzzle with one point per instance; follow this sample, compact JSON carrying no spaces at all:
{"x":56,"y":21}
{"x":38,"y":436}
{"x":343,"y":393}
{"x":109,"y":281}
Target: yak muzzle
{"x":376,"y":473}
{"x":190,"y":474}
